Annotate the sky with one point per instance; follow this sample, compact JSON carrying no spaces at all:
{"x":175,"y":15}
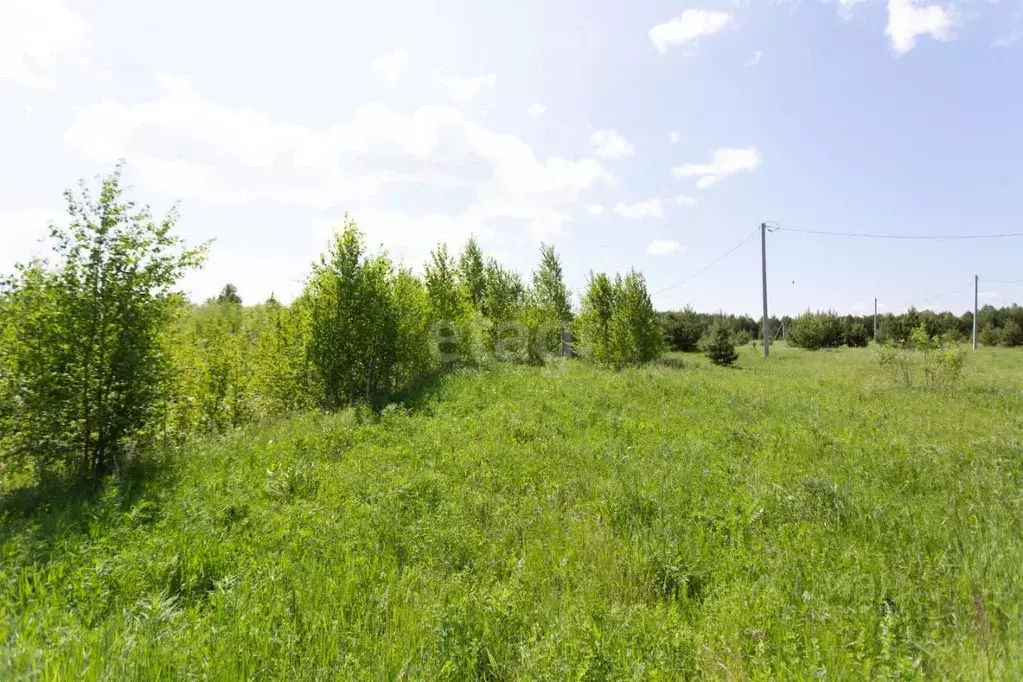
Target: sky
{"x":653,"y":135}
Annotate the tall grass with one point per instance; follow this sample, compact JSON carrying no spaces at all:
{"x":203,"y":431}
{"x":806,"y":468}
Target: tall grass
{"x":802,"y":517}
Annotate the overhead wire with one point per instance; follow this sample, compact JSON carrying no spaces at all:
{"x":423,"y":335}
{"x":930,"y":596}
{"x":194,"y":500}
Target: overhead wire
{"x":865,"y":235}
{"x":708,"y":266}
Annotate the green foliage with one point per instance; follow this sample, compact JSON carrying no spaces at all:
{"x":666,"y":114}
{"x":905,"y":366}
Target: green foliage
{"x":814,"y":331}
{"x":683,"y":330}
{"x":1012,"y":334}
{"x":451,"y":315}
{"x":635,"y":335}
{"x":548,"y":310}
{"x":85,"y":374}
{"x":923,"y":361}
{"x":990,"y":335}
{"x":229,"y":294}
{"x":856,"y":335}
{"x":503,"y":302}
{"x":719,"y":346}
{"x":472,"y":274}
{"x":594,"y":322}
{"x":354,"y":322}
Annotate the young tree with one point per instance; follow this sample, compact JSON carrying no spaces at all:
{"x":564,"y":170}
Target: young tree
{"x":353,"y":325}
{"x":503,"y":301}
{"x":449,"y":309}
{"x":990,"y":335}
{"x":472,"y":274}
{"x":1012,"y":334}
{"x":549,"y":309}
{"x":856,"y":335}
{"x":814,"y":331}
{"x":229,"y":294}
{"x":634,"y":334}
{"x":594,"y":323}
{"x":683,"y":330}
{"x":718,"y":345}
{"x":84,"y":367}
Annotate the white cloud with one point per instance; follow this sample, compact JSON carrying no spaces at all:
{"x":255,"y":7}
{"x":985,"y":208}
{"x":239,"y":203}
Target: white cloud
{"x":674,"y":137}
{"x":595,"y":210}
{"x":37,"y":36}
{"x":690,"y":25}
{"x":683,"y":200}
{"x":535,"y":109}
{"x":21,"y":232}
{"x":640,"y":210}
{"x":727,"y":161}
{"x":908,"y":19}
{"x":663,"y":247}
{"x":392,"y":65}
{"x":755,"y":59}
{"x":611,"y":145}
{"x":194,"y":148}
{"x":464,"y":89}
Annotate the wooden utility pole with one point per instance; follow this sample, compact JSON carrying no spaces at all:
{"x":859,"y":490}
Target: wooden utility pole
{"x":875,"y":316}
{"x":976,"y":283}
{"x":763,"y":259}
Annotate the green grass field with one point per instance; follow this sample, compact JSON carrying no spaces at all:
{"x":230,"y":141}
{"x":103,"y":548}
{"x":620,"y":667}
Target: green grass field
{"x":801,"y":517}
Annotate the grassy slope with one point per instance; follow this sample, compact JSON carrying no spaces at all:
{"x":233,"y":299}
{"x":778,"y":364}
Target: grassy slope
{"x":779,"y":519}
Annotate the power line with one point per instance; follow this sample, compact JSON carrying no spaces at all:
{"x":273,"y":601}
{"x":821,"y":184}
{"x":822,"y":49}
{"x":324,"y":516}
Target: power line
{"x":862,"y":235}
{"x":943,"y":295}
{"x":708,"y":266}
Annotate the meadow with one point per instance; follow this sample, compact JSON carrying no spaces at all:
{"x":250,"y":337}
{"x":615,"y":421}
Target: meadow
{"x":797,"y":517}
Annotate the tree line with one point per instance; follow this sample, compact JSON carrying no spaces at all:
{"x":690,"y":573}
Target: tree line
{"x":688,"y":331}
{"x":100,"y":354}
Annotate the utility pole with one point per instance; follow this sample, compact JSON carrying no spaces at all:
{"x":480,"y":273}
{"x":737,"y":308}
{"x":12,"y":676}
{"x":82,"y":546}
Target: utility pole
{"x":976,"y":283}
{"x":875,"y":316}
{"x":763,"y":259}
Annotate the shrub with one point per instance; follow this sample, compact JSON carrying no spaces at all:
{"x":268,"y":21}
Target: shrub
{"x":814,"y":331}
{"x":990,"y":335}
{"x":856,"y":335}
{"x":742,"y":337}
{"x":83,"y":362}
{"x":682,"y":330}
{"x":354,"y":323}
{"x":503,"y":300}
{"x":718,"y":345}
{"x":634,"y":333}
{"x":1012,"y":334}
{"x":925,"y":361}
{"x":548,"y":310}
{"x":594,"y":323}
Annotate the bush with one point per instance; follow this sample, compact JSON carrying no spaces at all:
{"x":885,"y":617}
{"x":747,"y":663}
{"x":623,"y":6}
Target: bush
{"x":618,"y":325}
{"x":635,"y":335}
{"x":594,"y":323}
{"x":814,"y":331}
{"x":990,"y":335}
{"x":718,"y":345}
{"x":682,"y":330}
{"x":1012,"y":334}
{"x":84,"y":369}
{"x":924,"y":361}
{"x":548,"y":309}
{"x":358,"y":313}
{"x":856,"y":335}
{"x":742,"y":337}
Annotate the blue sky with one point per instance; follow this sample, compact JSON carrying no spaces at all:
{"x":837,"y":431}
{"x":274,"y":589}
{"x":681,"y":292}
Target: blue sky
{"x":654,"y":135}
